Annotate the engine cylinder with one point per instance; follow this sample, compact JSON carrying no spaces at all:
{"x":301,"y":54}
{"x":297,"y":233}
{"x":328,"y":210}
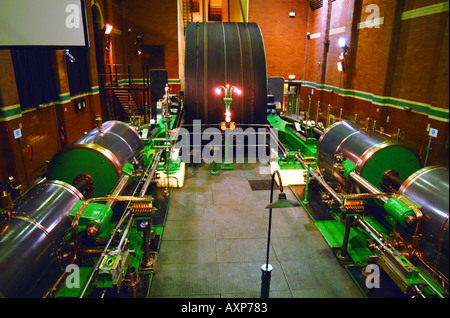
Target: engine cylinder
{"x":99,"y":156}
{"x":30,"y":255}
{"x":429,"y":188}
{"x":371,"y":154}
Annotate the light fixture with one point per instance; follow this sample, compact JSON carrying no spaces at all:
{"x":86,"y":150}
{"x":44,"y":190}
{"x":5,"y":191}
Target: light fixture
{"x":68,"y":56}
{"x":108,"y":28}
{"x":282,"y":202}
{"x":341,"y":63}
{"x":228,"y":98}
{"x":138,"y":43}
{"x":228,"y":116}
{"x":292,"y":11}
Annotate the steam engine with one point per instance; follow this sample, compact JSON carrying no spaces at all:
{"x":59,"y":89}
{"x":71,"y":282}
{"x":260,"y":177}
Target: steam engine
{"x":391,"y":212}
{"x":88,"y":222}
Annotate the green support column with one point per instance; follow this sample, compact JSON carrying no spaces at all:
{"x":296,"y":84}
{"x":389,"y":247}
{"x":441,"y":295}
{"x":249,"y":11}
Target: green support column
{"x":227,"y":165}
{"x":214,"y":164}
{"x":305,"y":200}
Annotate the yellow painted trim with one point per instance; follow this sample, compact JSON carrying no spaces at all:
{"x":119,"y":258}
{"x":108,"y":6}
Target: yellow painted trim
{"x":424,"y":11}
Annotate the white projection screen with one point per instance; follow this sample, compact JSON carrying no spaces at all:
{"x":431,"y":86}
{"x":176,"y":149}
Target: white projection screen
{"x":52,"y":23}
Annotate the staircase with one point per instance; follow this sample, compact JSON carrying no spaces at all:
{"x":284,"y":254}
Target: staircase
{"x":187,"y":11}
{"x":127,"y":102}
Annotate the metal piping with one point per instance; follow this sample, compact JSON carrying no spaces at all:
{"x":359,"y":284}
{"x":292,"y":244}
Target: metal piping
{"x":367,"y":186}
{"x":124,"y":217}
{"x":333,"y":193}
{"x":121,"y":184}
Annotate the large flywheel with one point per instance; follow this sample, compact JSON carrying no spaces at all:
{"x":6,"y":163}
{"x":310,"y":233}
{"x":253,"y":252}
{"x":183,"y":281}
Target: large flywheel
{"x":224,"y":53}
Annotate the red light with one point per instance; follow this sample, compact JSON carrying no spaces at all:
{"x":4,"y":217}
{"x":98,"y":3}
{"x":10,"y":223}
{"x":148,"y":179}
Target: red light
{"x":237,"y":91}
{"x":218,"y":91}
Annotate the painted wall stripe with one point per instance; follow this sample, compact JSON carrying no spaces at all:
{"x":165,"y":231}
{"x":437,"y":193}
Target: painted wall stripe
{"x":14,"y":111}
{"x":125,"y":81}
{"x":315,"y":35}
{"x":337,"y":30}
{"x":436,"y":113}
{"x":10,"y":112}
{"x":424,"y":11}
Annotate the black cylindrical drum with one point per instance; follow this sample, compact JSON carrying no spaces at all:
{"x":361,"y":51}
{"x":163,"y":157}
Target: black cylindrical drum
{"x":217,"y":54}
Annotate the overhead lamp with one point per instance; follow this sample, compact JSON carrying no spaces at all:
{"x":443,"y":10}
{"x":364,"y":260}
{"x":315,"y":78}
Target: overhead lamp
{"x":292,"y":14}
{"x":342,"y":43}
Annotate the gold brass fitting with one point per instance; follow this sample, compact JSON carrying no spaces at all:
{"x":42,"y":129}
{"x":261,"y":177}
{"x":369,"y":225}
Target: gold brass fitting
{"x":6,"y":201}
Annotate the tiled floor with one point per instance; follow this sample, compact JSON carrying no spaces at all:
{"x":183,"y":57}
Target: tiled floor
{"x":215,"y":241}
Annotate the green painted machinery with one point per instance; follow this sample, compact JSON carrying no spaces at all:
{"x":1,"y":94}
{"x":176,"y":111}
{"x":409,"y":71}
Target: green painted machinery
{"x":91,"y":227}
{"x":383,"y":209}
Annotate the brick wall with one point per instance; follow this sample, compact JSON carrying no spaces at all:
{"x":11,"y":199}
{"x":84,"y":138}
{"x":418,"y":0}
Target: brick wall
{"x":157,"y":20}
{"x":399,"y":62}
{"x":283,"y":36}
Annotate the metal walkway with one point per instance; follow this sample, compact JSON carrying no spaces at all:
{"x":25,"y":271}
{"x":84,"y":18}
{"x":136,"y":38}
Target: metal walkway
{"x":215,"y":240}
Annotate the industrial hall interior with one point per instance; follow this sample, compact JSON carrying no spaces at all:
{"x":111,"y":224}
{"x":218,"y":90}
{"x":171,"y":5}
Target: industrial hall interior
{"x":234,"y":149}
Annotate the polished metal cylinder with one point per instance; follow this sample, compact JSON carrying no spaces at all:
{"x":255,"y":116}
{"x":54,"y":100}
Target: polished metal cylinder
{"x":30,"y":245}
{"x":371,"y":155}
{"x":429,"y":188}
{"x":100,"y":156}
{"x":119,"y":138}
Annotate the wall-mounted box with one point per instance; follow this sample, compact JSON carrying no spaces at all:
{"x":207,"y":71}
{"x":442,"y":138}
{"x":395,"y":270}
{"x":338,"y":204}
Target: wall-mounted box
{"x":79,"y":104}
